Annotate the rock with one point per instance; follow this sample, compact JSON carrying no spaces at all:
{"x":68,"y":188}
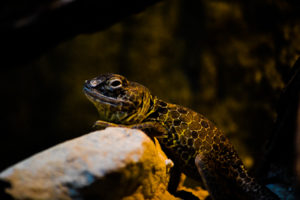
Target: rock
{"x":115,"y":163}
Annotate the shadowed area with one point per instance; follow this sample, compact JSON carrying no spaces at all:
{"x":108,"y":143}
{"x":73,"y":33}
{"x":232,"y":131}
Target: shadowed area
{"x":4,"y":185}
{"x":29,"y":28}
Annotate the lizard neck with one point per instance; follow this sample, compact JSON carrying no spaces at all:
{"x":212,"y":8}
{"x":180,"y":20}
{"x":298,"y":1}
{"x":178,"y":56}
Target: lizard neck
{"x":158,"y":110}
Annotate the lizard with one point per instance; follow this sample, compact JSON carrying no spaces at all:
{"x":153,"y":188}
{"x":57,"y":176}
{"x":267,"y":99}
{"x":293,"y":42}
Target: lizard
{"x":195,"y":145}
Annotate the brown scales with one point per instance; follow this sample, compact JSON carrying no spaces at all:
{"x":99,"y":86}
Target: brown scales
{"x":195,"y":145}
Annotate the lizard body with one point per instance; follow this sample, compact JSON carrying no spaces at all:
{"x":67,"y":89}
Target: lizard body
{"x":195,"y":145}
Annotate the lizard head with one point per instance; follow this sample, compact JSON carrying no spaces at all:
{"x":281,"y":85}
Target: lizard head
{"x":117,"y":99}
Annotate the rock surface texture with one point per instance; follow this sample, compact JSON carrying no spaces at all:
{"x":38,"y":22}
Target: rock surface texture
{"x":115,"y":163}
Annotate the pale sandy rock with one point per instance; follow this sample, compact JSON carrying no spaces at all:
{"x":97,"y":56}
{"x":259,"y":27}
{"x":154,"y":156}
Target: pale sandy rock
{"x":115,"y":163}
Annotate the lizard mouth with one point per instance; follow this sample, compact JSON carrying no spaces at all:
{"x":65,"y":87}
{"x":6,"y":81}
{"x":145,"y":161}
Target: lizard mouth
{"x":95,"y":96}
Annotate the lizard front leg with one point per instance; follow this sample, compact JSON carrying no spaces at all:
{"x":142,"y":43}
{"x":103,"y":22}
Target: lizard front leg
{"x":152,"y":129}
{"x":99,"y":124}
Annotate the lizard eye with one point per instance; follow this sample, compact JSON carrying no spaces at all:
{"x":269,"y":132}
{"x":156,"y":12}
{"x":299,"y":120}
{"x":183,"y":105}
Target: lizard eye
{"x":116,"y":83}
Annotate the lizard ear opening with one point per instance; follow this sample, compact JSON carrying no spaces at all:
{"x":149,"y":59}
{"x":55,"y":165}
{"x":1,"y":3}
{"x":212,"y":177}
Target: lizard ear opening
{"x":151,"y":103}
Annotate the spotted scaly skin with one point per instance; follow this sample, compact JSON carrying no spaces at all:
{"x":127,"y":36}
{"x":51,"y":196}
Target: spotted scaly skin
{"x":195,"y":145}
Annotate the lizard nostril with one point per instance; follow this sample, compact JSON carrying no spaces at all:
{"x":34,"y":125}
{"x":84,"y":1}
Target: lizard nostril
{"x":93,"y":83}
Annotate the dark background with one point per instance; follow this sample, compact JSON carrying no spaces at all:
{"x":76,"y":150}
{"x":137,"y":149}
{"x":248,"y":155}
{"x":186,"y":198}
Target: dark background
{"x":228,"y":60}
